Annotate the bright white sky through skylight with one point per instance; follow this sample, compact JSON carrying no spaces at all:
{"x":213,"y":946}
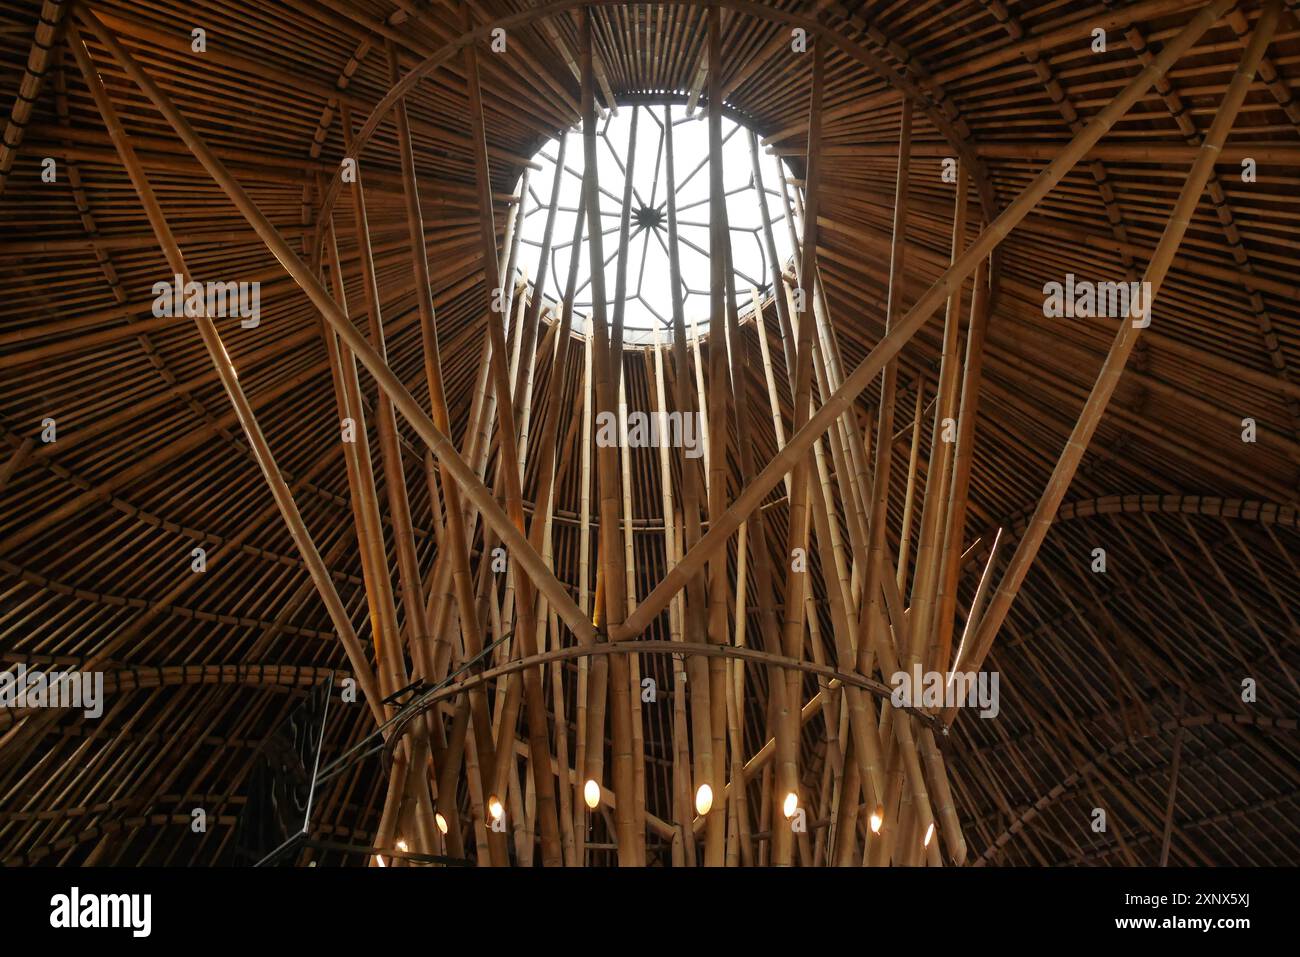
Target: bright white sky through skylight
{"x":648,"y":298}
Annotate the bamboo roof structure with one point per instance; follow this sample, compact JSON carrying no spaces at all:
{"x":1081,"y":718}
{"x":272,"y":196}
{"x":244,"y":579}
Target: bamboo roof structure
{"x":544,"y":649}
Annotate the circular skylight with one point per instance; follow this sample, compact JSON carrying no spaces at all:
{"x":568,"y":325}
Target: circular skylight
{"x":648,"y":303}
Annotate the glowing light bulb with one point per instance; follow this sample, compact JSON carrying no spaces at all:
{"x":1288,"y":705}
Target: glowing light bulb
{"x":402,"y":846}
{"x":441,"y":822}
{"x":790,"y":805}
{"x":929,"y":834}
{"x":495,"y":808}
{"x":877,"y":818}
{"x":703,"y":800}
{"x":591,"y":794}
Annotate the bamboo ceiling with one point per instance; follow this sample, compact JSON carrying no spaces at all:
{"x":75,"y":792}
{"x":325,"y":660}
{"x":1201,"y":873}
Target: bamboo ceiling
{"x":130,"y":440}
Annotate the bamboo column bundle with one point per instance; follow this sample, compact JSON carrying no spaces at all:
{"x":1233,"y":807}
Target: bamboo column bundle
{"x":799,"y":443}
{"x":629,"y":586}
{"x":540,"y":527}
{"x":787,"y":779}
{"x":933,"y":506}
{"x":472,"y":640}
{"x":394,"y":473}
{"x":370,"y":537}
{"x":525,"y":638}
{"x":959,"y":487}
{"x":868,"y":762}
{"x":684,"y":849}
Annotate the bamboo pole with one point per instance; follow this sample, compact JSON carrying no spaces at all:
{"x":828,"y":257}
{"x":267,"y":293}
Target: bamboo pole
{"x":681,"y":785}
{"x":909,"y":498}
{"x":457,"y":540}
{"x":399,"y":509}
{"x":718,"y":441}
{"x":959,"y":488}
{"x":393,"y":667}
{"x":612,"y":673}
{"x":629,"y":586}
{"x":582,"y":695}
{"x":696,"y":622}
{"x":509,"y":464}
{"x":933,"y":506}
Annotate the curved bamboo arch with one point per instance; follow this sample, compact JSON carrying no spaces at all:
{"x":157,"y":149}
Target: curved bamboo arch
{"x":112,"y":826}
{"x":685,"y":649}
{"x":1211,"y":506}
{"x":1242,"y":509}
{"x":140,"y":677}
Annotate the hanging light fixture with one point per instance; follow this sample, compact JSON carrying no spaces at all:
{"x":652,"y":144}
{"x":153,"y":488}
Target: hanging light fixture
{"x":790,"y":805}
{"x":703,"y":800}
{"x":495,"y":808}
{"x":877,"y":818}
{"x":441,"y":822}
{"x":591,"y":793}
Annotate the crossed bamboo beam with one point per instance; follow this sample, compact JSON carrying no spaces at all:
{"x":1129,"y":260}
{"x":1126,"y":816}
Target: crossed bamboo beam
{"x":857,"y":381}
{"x":405,"y":403}
{"x":1125,"y":340}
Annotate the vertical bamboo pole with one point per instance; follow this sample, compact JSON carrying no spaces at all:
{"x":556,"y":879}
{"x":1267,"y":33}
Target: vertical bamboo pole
{"x":719,"y":394}
{"x":930,"y":543}
{"x":582,"y":695}
{"x":681,"y":797}
{"x":963,"y":457}
{"x":629,"y":586}
{"x":785,"y":324}
{"x":909,"y":500}
{"x":608,"y":672}
{"x":871,"y":622}
{"x":787,"y":777}
{"x":695,"y":621}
